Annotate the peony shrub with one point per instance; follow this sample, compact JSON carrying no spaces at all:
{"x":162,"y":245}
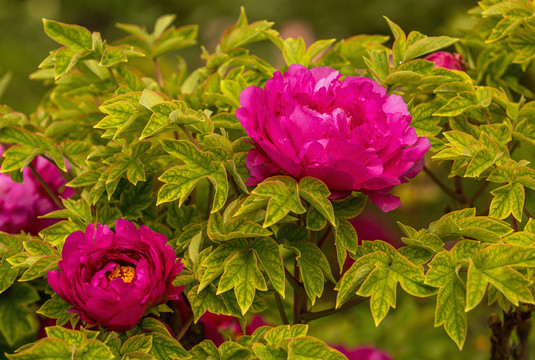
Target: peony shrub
{"x":222,"y":211}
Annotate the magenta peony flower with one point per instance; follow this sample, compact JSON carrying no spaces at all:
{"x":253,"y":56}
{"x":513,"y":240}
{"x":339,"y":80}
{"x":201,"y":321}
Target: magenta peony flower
{"x":447,"y":60}
{"x":21,"y":204}
{"x":112,"y":278}
{"x":350,"y":134}
{"x":363,"y":353}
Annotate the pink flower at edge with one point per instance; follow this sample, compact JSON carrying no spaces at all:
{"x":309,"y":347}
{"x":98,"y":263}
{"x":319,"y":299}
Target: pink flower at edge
{"x":112,"y":279}
{"x":447,"y":60}
{"x":348,"y":133}
{"x":22,"y":203}
{"x":363,"y":353}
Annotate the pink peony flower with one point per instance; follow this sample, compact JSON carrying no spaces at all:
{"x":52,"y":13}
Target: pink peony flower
{"x":363,"y":353}
{"x":112,"y":279}
{"x":447,"y":60}
{"x":348,"y":133}
{"x":22,"y":204}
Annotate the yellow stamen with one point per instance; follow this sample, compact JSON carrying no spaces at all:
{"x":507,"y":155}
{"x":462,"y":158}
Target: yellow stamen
{"x":125,"y":272}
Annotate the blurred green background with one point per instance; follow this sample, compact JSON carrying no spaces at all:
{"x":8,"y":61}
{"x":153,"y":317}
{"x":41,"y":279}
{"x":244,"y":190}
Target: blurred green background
{"x":407,"y":333}
{"x":23,"y":43}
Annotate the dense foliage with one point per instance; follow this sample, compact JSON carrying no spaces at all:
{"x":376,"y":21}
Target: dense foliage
{"x":167,"y":151}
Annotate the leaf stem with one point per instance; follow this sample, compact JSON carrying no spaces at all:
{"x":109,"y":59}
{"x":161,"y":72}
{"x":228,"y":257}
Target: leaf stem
{"x":477,"y":193}
{"x":296,"y":285}
{"x":312,"y":315}
{"x":158,"y":73}
{"x":296,"y":294}
{"x":45,"y":186}
{"x":185,"y":328}
{"x":190,"y":136}
{"x":440,"y":184}
{"x":210,"y":200}
{"x":112,"y":76}
{"x":514,"y":223}
{"x":458,"y":183}
{"x":527,"y":212}
{"x":65,"y":175}
{"x":486,"y":116}
{"x":324,"y":237}
{"x":280,"y":306}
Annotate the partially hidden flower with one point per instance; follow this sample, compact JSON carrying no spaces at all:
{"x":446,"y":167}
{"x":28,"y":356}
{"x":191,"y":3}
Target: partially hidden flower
{"x":22,"y":203}
{"x":214,"y":325}
{"x":112,"y":279}
{"x":348,"y":133}
{"x":363,"y":353}
{"x":447,"y":60}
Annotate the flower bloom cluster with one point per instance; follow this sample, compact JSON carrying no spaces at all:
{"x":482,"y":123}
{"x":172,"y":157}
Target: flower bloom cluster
{"x":113,"y":278}
{"x":21,"y":204}
{"x":348,"y":133}
{"x":447,"y":60}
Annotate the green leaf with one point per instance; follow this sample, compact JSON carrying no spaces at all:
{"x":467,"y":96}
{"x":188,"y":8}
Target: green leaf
{"x":464,"y":101}
{"x":242,"y":33}
{"x":238,"y":227}
{"x":381,"y":284}
{"x":58,"y":232}
{"x":349,"y":207}
{"x":159,"y":118}
{"x":206,"y":350}
{"x":427,"y":45}
{"x":233,"y":351}
{"x":181,"y":180}
{"x":17,"y":157}
{"x":150,"y":98}
{"x":309,"y":348}
{"x":353,"y":278}
{"x":482,"y":160}
{"x":55,"y":308}
{"x":119,"y":113}
{"x":76,"y":37}
{"x":269,"y":352}
{"x":87,"y":178}
{"x":345,"y":238}
{"x":278,"y":334}
{"x":16,"y":321}
{"x":8,"y":274}
{"x":45,"y":349}
{"x":166,"y":348}
{"x":241,"y":273}
{"x":315,"y":221}
{"x":283,"y":198}
{"x":451,"y":298}
{"x":215,"y":262}
{"x":65,"y":59}
{"x":94,"y":349}
{"x":316,"y":193}
{"x":71,"y":337}
{"x":205,"y":300}
{"x":175,"y":39}
{"x":267,"y":252}
{"x":493,"y":265}
{"x":39,"y":268}
{"x":508,"y":199}
{"x":313,"y":265}
{"x":294,"y":51}
{"x":140,"y":343}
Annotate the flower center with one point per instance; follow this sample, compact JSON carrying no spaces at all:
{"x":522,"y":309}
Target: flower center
{"x":125,"y":272}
